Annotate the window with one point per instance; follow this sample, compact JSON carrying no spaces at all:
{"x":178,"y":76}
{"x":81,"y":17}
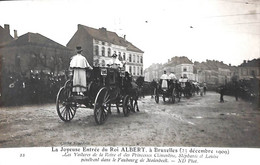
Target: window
{"x":141,"y":71}
{"x":119,"y":56}
{"x":18,"y":60}
{"x":138,"y":71}
{"x":134,"y":70}
{"x":103,"y":43}
{"x":141,"y":59}
{"x":96,"y":50}
{"x":130,"y":69}
{"x":253,"y":73}
{"x":124,"y":56}
{"x":108,"y":52}
{"x":184,"y":69}
{"x":103,"y":51}
{"x":134,"y":58}
{"x":130,"y":58}
{"x":137,"y":58}
{"x":103,"y":63}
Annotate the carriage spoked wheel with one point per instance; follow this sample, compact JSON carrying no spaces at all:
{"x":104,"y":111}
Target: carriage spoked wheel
{"x":66,"y":108}
{"x":156,"y":95}
{"x":102,"y":106}
{"x":127,"y":106}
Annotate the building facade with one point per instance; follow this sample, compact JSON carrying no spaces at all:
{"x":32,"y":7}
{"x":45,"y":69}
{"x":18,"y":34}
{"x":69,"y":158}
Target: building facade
{"x":249,"y":69}
{"x":153,"y":72}
{"x":181,"y":66}
{"x":100,"y":46}
{"x":214,"y":72}
{"x":33,"y":52}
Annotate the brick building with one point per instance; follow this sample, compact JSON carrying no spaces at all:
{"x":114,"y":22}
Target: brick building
{"x":5,"y":36}
{"x":99,"y":45}
{"x":34,"y":52}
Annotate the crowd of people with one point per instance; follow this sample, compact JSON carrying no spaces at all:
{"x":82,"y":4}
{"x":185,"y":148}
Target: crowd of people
{"x":241,"y":89}
{"x":38,"y":87}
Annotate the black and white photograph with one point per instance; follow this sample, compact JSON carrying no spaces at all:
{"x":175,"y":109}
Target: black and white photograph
{"x":130,"y":81}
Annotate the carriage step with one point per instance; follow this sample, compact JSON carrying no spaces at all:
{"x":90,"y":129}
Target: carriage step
{"x":80,"y":97}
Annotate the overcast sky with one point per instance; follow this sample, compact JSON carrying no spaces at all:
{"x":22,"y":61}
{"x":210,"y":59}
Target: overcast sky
{"x":224,"y":30}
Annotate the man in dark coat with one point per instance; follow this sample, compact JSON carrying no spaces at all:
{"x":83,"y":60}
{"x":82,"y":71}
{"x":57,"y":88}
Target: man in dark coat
{"x":222,"y":91}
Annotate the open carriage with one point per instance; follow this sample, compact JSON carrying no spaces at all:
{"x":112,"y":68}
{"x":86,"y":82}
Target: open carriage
{"x":106,"y":87}
{"x":171,"y":91}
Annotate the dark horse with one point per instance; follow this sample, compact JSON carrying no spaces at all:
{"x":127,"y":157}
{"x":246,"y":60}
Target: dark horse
{"x":131,"y":88}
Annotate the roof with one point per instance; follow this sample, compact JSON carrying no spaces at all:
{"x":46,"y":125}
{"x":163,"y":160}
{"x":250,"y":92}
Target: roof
{"x":252,"y":63}
{"x":103,"y":35}
{"x":35,"y":39}
{"x":5,"y":37}
{"x":213,"y":65}
{"x":178,"y":60}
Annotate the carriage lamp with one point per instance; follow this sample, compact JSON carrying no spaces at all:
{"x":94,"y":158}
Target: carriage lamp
{"x":104,"y":74}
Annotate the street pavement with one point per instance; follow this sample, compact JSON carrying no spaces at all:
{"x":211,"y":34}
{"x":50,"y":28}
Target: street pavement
{"x":200,"y":121}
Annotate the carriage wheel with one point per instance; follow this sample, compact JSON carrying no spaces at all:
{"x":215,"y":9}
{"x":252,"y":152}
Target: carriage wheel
{"x":127,"y":107}
{"x":173,"y":95}
{"x":102,"y":106}
{"x":65,"y":107}
{"x":156,"y":97}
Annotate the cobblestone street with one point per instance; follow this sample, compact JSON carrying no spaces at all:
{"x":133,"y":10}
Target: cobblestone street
{"x":198,"y":121}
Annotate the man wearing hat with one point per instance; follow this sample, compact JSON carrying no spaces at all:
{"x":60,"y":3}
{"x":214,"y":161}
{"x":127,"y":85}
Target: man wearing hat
{"x":79,"y":64}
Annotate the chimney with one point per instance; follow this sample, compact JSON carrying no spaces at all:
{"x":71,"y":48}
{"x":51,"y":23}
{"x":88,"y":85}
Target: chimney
{"x":229,"y":64}
{"x":244,"y":61}
{"x":103,"y":29}
{"x":125,"y":37}
{"x":15,"y":34}
{"x":7,"y":28}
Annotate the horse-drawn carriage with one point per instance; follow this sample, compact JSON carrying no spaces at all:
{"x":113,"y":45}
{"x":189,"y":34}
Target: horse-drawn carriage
{"x":171,"y":91}
{"x":106,"y":87}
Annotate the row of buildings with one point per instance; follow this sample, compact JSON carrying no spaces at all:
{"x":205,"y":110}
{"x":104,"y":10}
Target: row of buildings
{"x":212,"y":72}
{"x":33,"y":52}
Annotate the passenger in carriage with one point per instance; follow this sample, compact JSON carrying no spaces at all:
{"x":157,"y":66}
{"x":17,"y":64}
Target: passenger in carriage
{"x":172,"y":76}
{"x":172,"y":79}
{"x":79,"y":65}
{"x":164,"y":81}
